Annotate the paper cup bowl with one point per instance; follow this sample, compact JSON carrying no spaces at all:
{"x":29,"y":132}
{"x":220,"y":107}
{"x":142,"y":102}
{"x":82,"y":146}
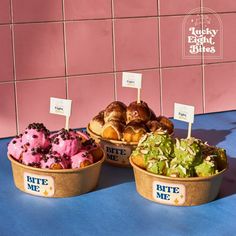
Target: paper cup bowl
{"x":117,"y":153}
{"x":56,"y":183}
{"x":177,"y":191}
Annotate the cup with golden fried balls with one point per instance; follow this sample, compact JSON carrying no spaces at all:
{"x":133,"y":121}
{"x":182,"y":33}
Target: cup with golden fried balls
{"x":119,"y":128}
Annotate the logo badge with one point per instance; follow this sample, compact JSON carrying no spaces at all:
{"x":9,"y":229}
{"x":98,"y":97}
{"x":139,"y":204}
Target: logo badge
{"x":167,"y":193}
{"x":118,"y":155}
{"x":39,"y":185}
{"x":202,"y":35}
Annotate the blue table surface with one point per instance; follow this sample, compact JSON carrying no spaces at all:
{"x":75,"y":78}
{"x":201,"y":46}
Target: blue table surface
{"x":115,"y":208}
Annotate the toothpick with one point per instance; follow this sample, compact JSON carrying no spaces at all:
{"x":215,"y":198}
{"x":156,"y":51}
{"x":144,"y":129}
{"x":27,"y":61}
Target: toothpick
{"x":189,"y":129}
{"x":139,"y":96}
{"x":67,"y":123}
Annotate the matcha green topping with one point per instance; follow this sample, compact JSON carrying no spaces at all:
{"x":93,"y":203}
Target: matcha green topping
{"x":182,"y":158}
{"x":188,"y":152}
{"x":157,"y":146}
{"x":158,"y":166}
{"x":205,"y":169}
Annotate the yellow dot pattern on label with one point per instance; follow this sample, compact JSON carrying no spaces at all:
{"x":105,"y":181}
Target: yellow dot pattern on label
{"x":176,"y":201}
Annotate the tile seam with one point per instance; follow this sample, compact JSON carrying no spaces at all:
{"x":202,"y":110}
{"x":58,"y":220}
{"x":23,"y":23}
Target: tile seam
{"x":203,"y":66}
{"x":108,"y":18}
{"x":65,"y":49}
{"x":114,"y":50}
{"x":119,"y":71}
{"x":160,"y":58}
{"x":14,"y":68}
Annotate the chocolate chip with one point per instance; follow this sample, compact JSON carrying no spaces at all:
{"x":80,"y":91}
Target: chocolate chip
{"x":35,"y":136}
{"x":14,"y":141}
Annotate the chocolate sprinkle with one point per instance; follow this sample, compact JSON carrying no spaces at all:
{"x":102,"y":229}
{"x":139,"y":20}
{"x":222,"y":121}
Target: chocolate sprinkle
{"x":35,"y":164}
{"x":64,"y":135}
{"x":39,"y":127}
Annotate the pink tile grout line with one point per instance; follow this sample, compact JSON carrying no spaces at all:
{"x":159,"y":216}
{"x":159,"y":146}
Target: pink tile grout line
{"x":203,"y":66}
{"x":159,"y":55}
{"x":14,"y":68}
{"x":113,"y":49}
{"x":118,"y":71}
{"x":65,"y":48}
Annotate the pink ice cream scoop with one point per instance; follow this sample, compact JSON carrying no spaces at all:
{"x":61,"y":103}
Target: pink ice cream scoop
{"x":31,"y":158}
{"x":15,"y":148}
{"x":66,"y":142}
{"x":81,"y":160}
{"x":53,"y":160}
{"x":37,"y":136}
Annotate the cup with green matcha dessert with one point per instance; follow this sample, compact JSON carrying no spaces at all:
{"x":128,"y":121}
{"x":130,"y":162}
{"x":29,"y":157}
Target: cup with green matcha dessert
{"x":181,"y":172}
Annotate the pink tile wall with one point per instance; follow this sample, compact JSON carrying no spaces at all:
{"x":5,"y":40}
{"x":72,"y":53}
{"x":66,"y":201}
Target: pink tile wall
{"x":182,"y":85}
{"x":6,"y":55}
{"x":89,"y":94}
{"x":227,"y":38}
{"x":133,"y":8}
{"x":220,"y":84}
{"x":5,"y":16}
{"x":177,"y":7}
{"x":136,"y":43}
{"x":87,"y":9}
{"x":7,"y":115}
{"x":172,"y":44}
{"x":77,"y":49}
{"x":33,"y":98}
{"x":150,"y":90}
{"x":39,"y":50}
{"x":36,"y":10}
{"x":89,"y":46}
{"x":220,"y":6}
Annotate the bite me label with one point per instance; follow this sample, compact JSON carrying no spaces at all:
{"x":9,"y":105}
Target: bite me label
{"x":39,"y":185}
{"x":167,"y":193}
{"x":118,"y":155}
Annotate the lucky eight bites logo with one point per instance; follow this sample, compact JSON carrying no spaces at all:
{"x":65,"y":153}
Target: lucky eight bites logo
{"x":202,"y":34}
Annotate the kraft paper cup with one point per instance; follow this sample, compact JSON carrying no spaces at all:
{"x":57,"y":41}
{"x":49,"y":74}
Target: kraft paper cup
{"x":117,"y":153}
{"x":56,"y":183}
{"x":177,"y":191}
